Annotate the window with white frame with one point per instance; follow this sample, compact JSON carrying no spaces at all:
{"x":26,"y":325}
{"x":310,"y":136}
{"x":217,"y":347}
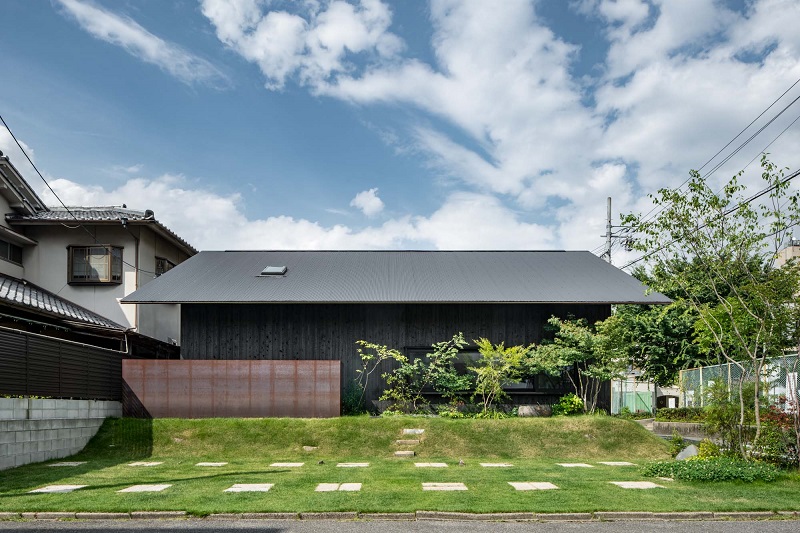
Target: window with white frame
{"x":95,"y":264}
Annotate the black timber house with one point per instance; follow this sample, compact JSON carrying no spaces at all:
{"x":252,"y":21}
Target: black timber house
{"x":317,"y":304}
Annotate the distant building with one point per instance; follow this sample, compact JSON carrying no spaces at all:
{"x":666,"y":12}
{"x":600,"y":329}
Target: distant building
{"x":86,"y":258}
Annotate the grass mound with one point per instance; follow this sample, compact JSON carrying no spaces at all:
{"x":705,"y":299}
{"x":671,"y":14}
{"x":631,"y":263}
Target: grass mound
{"x":359,"y":437}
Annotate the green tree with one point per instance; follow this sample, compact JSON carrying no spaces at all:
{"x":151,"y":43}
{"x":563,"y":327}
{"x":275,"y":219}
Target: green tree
{"x":497,"y":367}
{"x":718,"y":251}
{"x":591,"y":351}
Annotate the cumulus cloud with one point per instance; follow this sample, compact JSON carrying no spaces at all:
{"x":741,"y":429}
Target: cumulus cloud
{"x":368,"y":202}
{"x":212,"y":221}
{"x":137,"y":41}
{"x":312,"y":45}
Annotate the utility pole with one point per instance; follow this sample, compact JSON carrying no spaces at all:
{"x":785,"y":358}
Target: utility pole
{"x":607,"y":254}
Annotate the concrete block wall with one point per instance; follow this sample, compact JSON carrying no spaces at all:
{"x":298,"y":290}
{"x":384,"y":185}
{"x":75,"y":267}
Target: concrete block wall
{"x":34,"y":430}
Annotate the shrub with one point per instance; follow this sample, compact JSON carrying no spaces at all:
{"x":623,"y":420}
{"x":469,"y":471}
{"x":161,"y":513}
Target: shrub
{"x":681,"y":414}
{"x":569,"y":404}
{"x":707,"y":449}
{"x":713,"y":469}
{"x":676,"y":443}
{"x":353,"y":399}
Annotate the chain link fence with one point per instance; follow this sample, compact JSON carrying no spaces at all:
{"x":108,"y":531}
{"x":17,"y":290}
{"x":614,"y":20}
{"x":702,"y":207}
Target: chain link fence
{"x":636,"y":395}
{"x":779,"y":377}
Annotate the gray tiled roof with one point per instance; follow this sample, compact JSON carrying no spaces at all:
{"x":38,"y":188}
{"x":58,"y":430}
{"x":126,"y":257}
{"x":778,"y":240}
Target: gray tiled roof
{"x":95,"y":214}
{"x":396,"y":276}
{"x":21,"y":294}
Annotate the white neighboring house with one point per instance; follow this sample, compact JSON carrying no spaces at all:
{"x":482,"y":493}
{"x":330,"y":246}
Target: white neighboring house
{"x":91,"y":256}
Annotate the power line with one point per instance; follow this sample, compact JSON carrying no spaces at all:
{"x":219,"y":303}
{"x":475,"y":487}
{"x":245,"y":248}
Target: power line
{"x":654,"y":208}
{"x":80,"y":222}
{"x":721,"y":215}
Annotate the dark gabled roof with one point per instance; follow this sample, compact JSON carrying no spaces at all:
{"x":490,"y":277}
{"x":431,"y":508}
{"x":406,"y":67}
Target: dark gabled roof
{"x":396,"y":276}
{"x":26,"y":296}
{"x":20,"y":195}
{"x":98,"y":215}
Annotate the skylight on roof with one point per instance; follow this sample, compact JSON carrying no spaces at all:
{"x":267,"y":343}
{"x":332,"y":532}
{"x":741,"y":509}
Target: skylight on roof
{"x":274,"y":271}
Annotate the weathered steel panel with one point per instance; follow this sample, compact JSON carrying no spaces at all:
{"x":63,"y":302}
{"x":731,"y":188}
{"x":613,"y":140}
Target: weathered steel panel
{"x":231,"y":388}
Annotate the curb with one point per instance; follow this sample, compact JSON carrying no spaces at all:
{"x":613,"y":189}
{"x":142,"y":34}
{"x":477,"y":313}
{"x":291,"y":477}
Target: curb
{"x":616,"y":516}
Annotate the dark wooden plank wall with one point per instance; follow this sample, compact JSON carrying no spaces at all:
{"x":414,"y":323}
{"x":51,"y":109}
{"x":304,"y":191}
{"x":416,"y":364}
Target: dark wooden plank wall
{"x":329,"y":331}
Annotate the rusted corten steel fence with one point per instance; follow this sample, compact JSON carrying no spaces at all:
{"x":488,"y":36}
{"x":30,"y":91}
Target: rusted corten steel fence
{"x":33,"y":365}
{"x":233,"y":388}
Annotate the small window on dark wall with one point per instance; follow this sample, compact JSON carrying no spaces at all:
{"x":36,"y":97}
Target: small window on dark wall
{"x":10,"y":252}
{"x":95,"y":264}
{"x":163,"y":265}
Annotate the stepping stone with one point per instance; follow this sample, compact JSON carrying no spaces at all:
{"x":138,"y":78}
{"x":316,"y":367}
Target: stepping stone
{"x":666,"y":479}
{"x":69,"y":463}
{"x":636,"y":484}
{"x":145,"y":488}
{"x":333,"y":487}
{"x":250,"y":487}
{"x":444,"y":486}
{"x":58,"y":488}
{"x":210,"y":464}
{"x":413,"y":431}
{"x":430,"y":465}
{"x":310,"y":448}
{"x":146,"y":463}
{"x":616,"y":463}
{"x":407,"y":442}
{"x":574,"y":465}
{"x":496,"y":465}
{"x":532,"y":485}
{"x":352,"y":465}
{"x":287,"y":465}
{"x":405,"y":453}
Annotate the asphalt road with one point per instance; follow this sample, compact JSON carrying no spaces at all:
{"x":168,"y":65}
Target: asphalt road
{"x":330,"y":526}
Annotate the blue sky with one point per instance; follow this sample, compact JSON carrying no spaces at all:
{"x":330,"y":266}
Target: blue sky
{"x":390,"y":124}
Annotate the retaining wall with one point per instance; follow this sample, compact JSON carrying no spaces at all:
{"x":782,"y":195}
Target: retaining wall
{"x":34,"y":430}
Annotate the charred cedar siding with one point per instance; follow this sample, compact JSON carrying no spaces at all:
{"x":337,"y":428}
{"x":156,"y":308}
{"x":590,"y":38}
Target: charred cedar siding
{"x":36,"y":366}
{"x":330,"y":331}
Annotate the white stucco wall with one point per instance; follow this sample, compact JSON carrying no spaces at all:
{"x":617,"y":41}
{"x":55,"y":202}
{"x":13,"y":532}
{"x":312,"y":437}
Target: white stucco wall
{"x":47,"y":265}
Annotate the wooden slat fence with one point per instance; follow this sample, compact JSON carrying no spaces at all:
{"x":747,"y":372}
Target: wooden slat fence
{"x":34,"y":365}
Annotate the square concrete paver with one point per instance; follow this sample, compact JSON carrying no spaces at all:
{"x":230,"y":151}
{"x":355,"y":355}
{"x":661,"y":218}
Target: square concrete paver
{"x":210,"y":464}
{"x":496,"y":465}
{"x":69,"y":463}
{"x":145,"y":488}
{"x":430,"y":465}
{"x":58,"y":488}
{"x":616,"y":463}
{"x":333,"y":487}
{"x":444,"y":486}
{"x":574,"y":465}
{"x":532,"y":485}
{"x":250,"y":487}
{"x":352,"y":465}
{"x":146,"y":463}
{"x":287,"y":465}
{"x":413,"y":431}
{"x":636,"y":484}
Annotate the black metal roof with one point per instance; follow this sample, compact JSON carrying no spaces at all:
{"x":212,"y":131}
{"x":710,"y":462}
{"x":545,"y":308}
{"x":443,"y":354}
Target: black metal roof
{"x":103,"y":214}
{"x":27,"y":296}
{"x":396,"y":276}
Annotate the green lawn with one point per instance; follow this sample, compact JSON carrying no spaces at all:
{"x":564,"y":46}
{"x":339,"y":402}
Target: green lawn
{"x":389,"y":484}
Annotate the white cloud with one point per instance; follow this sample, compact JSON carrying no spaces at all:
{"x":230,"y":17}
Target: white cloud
{"x":368,"y":202}
{"x":126,"y":33}
{"x":312,"y":45}
{"x":211,"y":221}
